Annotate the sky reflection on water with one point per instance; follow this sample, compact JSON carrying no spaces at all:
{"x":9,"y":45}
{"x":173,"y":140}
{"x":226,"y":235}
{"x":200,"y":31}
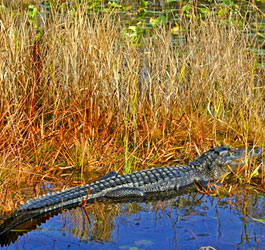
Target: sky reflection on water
{"x":185,"y":222}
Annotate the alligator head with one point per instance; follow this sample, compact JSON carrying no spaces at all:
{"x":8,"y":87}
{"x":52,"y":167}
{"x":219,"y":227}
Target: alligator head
{"x":232,"y":158}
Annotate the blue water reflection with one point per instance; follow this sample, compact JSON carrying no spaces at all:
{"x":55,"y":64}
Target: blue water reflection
{"x":186,"y":222}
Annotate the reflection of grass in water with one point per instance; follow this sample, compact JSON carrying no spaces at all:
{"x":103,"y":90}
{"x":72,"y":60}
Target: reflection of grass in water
{"x":97,"y":222}
{"x":81,"y":98}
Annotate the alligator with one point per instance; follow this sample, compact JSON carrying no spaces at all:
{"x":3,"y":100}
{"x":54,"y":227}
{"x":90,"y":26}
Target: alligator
{"x":144,"y":185}
{"x":209,"y":166}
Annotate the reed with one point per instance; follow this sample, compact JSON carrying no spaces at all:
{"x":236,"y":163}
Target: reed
{"x":78,"y":99}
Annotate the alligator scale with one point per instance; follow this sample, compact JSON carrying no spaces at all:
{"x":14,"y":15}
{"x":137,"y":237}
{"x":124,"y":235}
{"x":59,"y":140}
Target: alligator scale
{"x":209,"y":166}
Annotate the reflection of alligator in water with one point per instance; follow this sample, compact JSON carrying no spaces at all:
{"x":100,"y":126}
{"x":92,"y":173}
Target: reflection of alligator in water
{"x":26,"y":221}
{"x":139,"y":185}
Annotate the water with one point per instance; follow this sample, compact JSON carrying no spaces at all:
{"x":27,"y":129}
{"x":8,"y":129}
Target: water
{"x":189,"y":221}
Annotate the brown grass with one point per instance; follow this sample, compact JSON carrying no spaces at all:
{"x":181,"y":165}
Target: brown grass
{"x":82,"y":100}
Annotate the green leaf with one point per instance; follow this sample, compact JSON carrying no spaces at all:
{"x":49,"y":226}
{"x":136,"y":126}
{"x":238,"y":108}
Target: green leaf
{"x":133,"y":32}
{"x":115,"y":5}
{"x":143,"y":3}
{"x":186,"y":9}
{"x":157,"y":21}
{"x":32,"y":12}
{"x":203,"y":10}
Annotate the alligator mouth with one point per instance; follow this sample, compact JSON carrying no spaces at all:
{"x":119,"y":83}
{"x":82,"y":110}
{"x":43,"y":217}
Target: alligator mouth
{"x":239,"y":156}
{"x":250,"y":152}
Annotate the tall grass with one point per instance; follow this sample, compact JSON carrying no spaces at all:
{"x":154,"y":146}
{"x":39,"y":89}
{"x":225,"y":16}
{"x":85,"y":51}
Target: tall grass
{"x":82,"y":99}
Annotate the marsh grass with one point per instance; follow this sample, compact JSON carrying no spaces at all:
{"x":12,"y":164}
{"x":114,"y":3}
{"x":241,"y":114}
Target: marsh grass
{"x":82,"y":100}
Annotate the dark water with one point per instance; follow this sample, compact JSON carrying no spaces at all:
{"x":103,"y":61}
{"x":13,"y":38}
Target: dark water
{"x":190,"y":221}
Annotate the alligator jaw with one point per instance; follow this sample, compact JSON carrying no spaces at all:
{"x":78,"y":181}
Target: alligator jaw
{"x":238,"y":157}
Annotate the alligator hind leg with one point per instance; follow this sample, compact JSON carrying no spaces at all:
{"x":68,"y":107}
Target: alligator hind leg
{"x":125,"y":192}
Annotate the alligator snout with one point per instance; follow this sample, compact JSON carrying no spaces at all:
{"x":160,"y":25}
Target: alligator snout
{"x":250,"y":152}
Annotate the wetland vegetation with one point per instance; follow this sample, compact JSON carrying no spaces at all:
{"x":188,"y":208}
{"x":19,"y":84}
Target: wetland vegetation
{"x":89,"y":87}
